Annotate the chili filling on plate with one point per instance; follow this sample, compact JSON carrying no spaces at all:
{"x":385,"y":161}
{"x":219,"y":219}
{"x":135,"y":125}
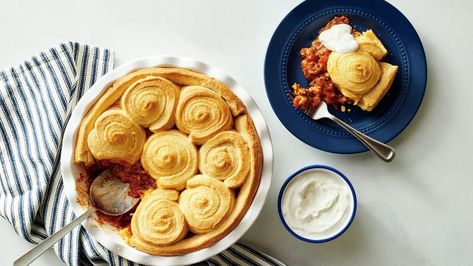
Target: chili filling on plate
{"x":314,"y":67}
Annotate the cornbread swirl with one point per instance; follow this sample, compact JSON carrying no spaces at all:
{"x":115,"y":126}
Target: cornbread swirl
{"x":116,"y":136}
{"x":206,"y":202}
{"x":170,"y":158}
{"x":225,"y":157}
{"x":151,"y":102}
{"x":354,"y":73}
{"x":201,"y":113}
{"x":158,"y":220}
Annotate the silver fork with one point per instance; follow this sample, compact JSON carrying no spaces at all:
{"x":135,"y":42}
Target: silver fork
{"x":385,"y":152}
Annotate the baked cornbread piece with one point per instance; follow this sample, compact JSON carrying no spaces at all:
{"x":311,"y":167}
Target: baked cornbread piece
{"x":372,"y":98}
{"x":225,"y":157}
{"x":188,"y":206}
{"x":361,"y":76}
{"x":195,"y":108}
{"x":369,"y":43}
{"x":116,"y":136}
{"x":151,"y":103}
{"x":170,"y":158}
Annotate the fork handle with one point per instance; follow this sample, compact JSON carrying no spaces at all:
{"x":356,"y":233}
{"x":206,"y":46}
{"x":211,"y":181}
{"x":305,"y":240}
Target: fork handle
{"x":35,"y":252}
{"x":385,"y":152}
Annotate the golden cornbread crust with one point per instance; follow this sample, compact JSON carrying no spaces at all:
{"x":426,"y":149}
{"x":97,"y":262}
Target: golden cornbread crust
{"x":179,"y":76}
{"x":242,"y":123}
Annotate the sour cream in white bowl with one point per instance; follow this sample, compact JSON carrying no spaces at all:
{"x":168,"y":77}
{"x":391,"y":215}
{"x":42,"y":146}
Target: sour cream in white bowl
{"x":317,"y":204}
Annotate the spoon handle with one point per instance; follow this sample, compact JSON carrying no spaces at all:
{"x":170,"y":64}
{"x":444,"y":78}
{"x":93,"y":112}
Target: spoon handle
{"x":385,"y":152}
{"x":35,"y":252}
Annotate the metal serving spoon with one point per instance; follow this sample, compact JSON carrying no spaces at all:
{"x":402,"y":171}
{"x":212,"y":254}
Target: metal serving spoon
{"x":108,"y":195}
{"x":385,"y":152}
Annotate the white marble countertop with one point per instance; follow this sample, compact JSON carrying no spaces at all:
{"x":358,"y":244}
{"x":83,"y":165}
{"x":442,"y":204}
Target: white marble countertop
{"x":413,"y":211}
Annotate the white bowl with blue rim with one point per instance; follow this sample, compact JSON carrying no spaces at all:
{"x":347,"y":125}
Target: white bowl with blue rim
{"x":317,"y":204}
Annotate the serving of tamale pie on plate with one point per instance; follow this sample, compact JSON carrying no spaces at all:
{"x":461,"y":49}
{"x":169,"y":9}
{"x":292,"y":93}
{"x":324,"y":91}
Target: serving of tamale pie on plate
{"x":376,"y":87}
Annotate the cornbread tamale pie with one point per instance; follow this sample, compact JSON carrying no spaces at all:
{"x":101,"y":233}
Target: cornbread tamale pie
{"x":188,"y":148}
{"x":344,"y":67}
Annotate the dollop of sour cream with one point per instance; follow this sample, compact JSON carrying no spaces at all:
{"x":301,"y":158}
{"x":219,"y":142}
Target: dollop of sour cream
{"x":317,"y":204}
{"x":339,"y":39}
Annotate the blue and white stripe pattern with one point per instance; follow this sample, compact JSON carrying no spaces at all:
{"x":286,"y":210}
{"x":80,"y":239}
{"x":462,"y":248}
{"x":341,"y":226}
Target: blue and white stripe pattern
{"x":36,"y":100}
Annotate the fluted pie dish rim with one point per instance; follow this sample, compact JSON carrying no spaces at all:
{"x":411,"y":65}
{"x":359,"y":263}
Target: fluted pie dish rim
{"x":104,"y":234}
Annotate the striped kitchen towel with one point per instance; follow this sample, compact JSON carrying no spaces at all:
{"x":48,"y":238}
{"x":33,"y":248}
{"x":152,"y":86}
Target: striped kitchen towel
{"x":36,"y":100}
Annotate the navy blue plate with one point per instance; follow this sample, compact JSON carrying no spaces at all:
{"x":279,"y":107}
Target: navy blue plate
{"x":395,"y":111}
{"x":353,"y":211}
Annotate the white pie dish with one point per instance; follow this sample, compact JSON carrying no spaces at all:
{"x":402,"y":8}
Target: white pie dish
{"x":107,"y":236}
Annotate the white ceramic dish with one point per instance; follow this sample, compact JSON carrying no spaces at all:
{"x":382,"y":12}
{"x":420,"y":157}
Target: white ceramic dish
{"x":107,"y":236}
